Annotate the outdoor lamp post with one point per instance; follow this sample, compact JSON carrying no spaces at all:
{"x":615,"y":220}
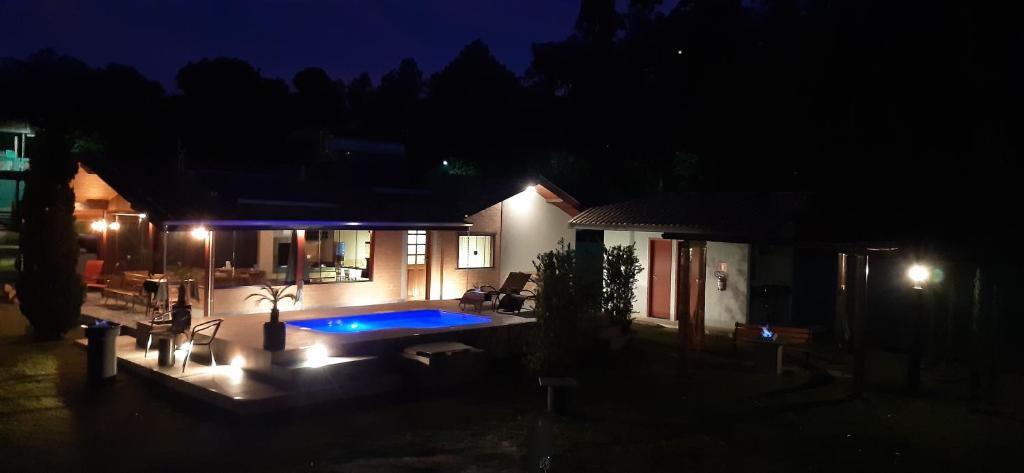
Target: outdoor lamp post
{"x":919,"y":275}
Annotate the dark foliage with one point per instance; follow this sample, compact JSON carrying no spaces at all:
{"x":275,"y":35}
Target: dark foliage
{"x":49,"y":287}
{"x":553,"y":348}
{"x":621,"y":267}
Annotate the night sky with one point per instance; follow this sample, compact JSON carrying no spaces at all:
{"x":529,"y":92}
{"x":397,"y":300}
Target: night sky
{"x":279,"y":37}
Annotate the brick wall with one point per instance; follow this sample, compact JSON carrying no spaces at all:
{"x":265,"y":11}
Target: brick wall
{"x":447,"y":275}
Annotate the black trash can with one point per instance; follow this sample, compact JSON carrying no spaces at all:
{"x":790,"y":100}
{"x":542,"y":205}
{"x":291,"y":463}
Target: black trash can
{"x":102,"y":350}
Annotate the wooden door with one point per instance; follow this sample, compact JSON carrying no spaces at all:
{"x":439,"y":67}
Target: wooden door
{"x":417,"y":264}
{"x":660,"y":274}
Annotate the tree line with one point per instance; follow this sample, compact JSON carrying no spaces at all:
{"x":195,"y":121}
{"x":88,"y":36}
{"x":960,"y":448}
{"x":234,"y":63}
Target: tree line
{"x":641,"y":97}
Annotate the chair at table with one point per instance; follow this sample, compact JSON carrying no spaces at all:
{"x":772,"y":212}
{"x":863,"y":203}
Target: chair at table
{"x":91,"y":275}
{"x":169,"y":325}
{"x":202,"y":330}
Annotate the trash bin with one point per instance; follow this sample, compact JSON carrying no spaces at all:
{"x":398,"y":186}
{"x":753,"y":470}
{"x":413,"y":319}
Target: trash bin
{"x":102,"y":350}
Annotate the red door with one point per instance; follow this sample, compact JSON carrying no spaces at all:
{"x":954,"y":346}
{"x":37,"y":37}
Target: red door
{"x":660,"y":284}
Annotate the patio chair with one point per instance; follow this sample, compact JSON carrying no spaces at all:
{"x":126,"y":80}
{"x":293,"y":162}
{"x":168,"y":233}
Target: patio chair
{"x":169,"y":325}
{"x":91,"y":275}
{"x":203,"y":339}
{"x":514,"y":284}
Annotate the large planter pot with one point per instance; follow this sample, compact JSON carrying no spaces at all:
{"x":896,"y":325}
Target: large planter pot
{"x":273,"y":333}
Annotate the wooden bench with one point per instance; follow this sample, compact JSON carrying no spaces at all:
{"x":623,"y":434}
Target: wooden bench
{"x":128,"y":288}
{"x":798,"y":338}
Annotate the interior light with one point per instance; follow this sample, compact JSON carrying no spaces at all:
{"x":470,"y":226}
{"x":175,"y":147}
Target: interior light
{"x":199,"y":233}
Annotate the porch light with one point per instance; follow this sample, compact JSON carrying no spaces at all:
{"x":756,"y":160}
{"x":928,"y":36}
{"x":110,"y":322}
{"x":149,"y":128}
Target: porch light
{"x":919,"y":274}
{"x":199,"y":233}
{"x":98,"y":225}
{"x":115,"y":225}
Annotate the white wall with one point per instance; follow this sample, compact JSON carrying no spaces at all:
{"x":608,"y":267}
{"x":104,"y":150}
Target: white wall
{"x":529,"y":226}
{"x":722,"y":309}
{"x":643,"y":246}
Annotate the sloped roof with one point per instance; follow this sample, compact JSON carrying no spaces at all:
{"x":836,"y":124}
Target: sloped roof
{"x":353,"y":193}
{"x":718,"y":215}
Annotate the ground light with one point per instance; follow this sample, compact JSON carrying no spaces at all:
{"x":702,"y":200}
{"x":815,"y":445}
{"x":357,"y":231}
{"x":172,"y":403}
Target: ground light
{"x":316,"y":356}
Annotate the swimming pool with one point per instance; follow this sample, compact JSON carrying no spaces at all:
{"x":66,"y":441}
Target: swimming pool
{"x":406,"y":319}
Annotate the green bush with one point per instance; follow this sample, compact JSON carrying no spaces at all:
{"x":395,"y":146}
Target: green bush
{"x":49,"y":287}
{"x":553,"y":349}
{"x":621,"y":267}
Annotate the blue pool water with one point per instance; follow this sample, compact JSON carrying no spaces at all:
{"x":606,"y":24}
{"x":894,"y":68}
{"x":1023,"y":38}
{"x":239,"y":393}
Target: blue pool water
{"x":408,"y":319}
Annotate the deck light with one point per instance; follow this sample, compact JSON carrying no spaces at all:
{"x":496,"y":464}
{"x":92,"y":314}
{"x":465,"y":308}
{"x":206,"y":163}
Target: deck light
{"x":919,"y":274}
{"x":199,"y":233}
{"x":98,"y":225}
{"x":115,"y":225}
{"x":316,"y":356}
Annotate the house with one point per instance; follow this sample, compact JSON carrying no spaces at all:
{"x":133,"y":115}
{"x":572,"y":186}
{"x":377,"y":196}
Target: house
{"x":724,"y":257}
{"x":350,"y":231}
{"x":14,"y":161}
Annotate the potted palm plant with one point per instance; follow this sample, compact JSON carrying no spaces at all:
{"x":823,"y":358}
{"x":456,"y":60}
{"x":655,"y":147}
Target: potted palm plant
{"x":273,"y":331}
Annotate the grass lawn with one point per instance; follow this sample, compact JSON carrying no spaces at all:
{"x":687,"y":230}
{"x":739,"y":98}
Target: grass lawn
{"x":633,"y":414}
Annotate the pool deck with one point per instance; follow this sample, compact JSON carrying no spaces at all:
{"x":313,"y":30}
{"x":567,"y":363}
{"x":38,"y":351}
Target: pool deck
{"x":282,"y":380}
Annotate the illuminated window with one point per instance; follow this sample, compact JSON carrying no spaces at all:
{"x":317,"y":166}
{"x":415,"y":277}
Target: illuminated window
{"x":475,"y":251}
{"x":416,"y":244}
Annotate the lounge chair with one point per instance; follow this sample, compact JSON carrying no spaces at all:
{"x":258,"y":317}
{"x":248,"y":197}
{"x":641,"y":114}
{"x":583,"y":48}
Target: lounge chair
{"x":513,"y":285}
{"x":91,"y":275}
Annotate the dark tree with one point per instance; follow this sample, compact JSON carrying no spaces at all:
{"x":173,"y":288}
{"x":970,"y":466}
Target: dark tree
{"x":49,"y":287}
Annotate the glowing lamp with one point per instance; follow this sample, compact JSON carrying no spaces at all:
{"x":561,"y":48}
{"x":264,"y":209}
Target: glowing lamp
{"x":199,"y":233}
{"x":316,"y":355}
{"x":444,"y":162}
{"x":98,"y":225}
{"x":142,"y":216}
{"x":919,"y":274}
{"x":115,"y":225}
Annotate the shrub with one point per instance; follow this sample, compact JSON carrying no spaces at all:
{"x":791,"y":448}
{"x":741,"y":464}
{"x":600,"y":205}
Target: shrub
{"x":621,"y":267}
{"x":557,"y":310}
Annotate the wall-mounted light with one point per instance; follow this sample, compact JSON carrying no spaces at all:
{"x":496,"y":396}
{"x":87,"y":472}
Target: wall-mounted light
{"x":722,"y":276}
{"x":98,"y":225}
{"x":142,"y":216}
{"x":115,"y":225}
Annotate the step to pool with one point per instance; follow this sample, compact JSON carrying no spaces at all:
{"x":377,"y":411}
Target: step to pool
{"x":333,"y":372}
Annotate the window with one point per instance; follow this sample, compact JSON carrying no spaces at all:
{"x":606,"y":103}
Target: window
{"x":416,"y":244}
{"x":475,"y":251}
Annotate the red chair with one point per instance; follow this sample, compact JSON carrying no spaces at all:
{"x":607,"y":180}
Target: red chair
{"x":91,"y":275}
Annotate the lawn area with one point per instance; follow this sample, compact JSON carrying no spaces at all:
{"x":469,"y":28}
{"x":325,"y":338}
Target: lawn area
{"x":633,"y":414}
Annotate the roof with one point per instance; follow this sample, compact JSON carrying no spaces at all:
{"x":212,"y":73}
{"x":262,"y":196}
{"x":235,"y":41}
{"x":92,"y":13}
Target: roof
{"x":353,"y":193}
{"x":723,"y":216}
